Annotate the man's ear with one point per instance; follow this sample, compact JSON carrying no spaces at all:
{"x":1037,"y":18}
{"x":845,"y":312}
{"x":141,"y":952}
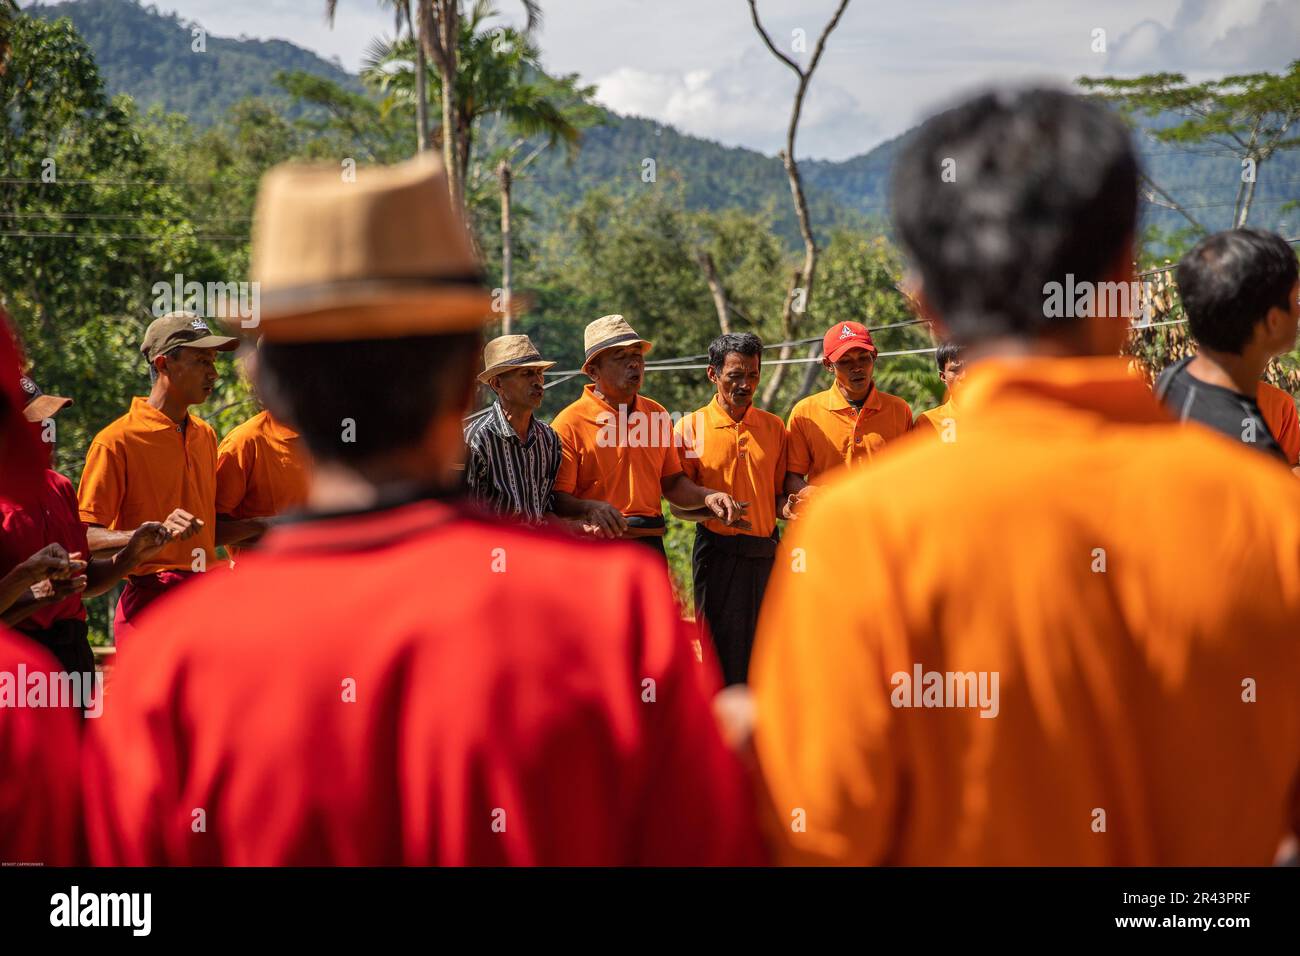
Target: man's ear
{"x":711,"y":373}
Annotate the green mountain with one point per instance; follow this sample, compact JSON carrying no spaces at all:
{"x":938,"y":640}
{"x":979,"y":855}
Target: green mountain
{"x":148,"y":54}
{"x":151,"y":56}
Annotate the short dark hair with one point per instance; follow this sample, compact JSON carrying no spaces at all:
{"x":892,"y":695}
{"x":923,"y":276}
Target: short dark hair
{"x":392,"y":389}
{"x":153,"y":369}
{"x":947,"y":352}
{"x":746,"y":343}
{"x":1045,"y":184}
{"x":1229,"y":281}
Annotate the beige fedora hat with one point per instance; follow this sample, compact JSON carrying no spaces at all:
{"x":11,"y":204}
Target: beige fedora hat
{"x":510,"y":351}
{"x":380,"y":256}
{"x":607,"y":332}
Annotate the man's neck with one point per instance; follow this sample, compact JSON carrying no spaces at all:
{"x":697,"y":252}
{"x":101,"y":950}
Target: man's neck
{"x":175,"y":409}
{"x":1240,"y":373}
{"x":519,"y":417}
{"x":734,"y":412}
{"x":857,"y":399}
{"x":336,"y":487}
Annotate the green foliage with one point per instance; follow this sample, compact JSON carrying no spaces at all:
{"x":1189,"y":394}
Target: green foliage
{"x":90,"y":219}
{"x":1243,"y":120}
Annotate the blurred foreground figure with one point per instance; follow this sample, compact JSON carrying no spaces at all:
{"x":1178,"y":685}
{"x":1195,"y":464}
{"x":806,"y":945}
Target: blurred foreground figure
{"x":39,"y":748}
{"x":396,"y":678}
{"x":1068,"y":636}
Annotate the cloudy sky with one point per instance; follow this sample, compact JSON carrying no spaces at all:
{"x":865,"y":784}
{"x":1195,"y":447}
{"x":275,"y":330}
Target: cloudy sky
{"x":699,"y":65}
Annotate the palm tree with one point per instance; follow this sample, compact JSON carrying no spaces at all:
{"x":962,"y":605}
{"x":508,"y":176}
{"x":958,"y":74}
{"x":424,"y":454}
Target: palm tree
{"x":402,"y":16}
{"x":499,"y":75}
{"x":440,"y":34}
{"x":499,"y":78}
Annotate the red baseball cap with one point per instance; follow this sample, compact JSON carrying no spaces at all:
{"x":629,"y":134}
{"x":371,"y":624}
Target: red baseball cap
{"x":844,"y":336}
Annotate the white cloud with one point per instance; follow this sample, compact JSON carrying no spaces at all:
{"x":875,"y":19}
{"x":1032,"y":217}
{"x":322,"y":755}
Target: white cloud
{"x":733,"y":104}
{"x":1213,"y":36}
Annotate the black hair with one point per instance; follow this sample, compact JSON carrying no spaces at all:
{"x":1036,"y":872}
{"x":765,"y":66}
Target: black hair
{"x":390,"y":389}
{"x":153,"y":369}
{"x":1010,"y":191}
{"x":947,"y":352}
{"x":745,"y":343}
{"x":1229,"y":281}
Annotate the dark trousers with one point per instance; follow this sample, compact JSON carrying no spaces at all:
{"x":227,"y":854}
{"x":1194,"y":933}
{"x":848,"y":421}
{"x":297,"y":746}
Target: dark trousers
{"x":67,"y":641}
{"x":654,"y":542}
{"x":730,"y":574}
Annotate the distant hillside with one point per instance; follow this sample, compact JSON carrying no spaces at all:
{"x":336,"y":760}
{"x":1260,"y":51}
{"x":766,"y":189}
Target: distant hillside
{"x":148,"y":55}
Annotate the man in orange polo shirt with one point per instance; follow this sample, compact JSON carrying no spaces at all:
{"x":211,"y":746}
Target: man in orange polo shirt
{"x":942,"y":421}
{"x":850,"y":421}
{"x":732,"y":445}
{"x":1061,"y":670}
{"x":1278,"y":407}
{"x":159,"y":463}
{"x":398,"y":678}
{"x":618,"y":453}
{"x":262,"y":471}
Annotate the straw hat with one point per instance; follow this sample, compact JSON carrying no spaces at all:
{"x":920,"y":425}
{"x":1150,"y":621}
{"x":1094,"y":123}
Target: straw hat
{"x":509,"y":352}
{"x":382,"y":256}
{"x":607,"y":332}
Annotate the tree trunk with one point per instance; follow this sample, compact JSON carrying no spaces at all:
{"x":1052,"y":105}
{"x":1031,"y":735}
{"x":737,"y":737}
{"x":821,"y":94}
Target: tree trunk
{"x":506,"y":250}
{"x":787,"y":320}
{"x":790,"y":316}
{"x":440,"y":39}
{"x":810,"y":373}
{"x":1244,"y":215}
{"x":421,"y":82}
{"x":715,"y":289}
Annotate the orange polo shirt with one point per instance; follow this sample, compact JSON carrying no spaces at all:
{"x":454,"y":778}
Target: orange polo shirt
{"x":935,"y":418}
{"x":262,"y":471}
{"x":1279,"y":412}
{"x":1135,"y":587}
{"x":746,"y":459}
{"x":142,"y":467}
{"x":826,"y":432}
{"x":613,"y":456}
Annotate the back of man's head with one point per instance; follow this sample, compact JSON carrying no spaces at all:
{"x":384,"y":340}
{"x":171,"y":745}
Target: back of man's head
{"x":363,"y":400}
{"x":1041,"y":184}
{"x":1230,"y":280}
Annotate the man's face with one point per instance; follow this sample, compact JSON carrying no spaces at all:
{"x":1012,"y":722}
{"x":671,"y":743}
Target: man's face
{"x":619,"y":370}
{"x":954,"y":370}
{"x":191,"y":374}
{"x":737,"y":381}
{"x":520,"y":387}
{"x":853,"y":371}
{"x":1278,"y":330}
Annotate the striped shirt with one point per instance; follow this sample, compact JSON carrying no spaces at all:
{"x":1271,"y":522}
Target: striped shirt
{"x":511,"y":477}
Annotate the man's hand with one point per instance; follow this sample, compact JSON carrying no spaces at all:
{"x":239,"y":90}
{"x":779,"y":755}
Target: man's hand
{"x":51,"y":591}
{"x":727,"y":508}
{"x":603,"y":520}
{"x":796,"y":502}
{"x":52,"y":561}
{"x":146,"y":541}
{"x":180,"y":525}
{"x":733,"y":709}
